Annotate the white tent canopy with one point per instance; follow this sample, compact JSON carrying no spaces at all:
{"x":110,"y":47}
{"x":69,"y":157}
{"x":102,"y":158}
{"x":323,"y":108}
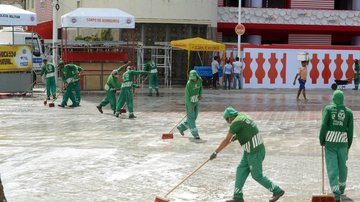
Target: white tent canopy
{"x":98,"y":18}
{"x":14,"y":16}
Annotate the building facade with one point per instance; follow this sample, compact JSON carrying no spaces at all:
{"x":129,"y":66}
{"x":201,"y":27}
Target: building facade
{"x":321,"y":22}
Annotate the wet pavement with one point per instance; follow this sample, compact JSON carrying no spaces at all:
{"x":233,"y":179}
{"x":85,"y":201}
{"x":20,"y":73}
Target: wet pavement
{"x":78,"y":154}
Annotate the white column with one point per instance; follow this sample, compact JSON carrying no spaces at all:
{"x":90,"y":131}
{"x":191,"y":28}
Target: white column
{"x":356,"y":5}
{"x":256,"y":4}
{"x":254,"y":39}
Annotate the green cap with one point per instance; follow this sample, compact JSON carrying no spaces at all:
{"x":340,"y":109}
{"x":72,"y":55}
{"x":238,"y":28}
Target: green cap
{"x":230,"y":112}
{"x":61,"y":62}
{"x":193,"y":75}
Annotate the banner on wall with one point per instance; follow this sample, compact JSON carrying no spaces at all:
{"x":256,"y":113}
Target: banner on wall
{"x":15,"y":58}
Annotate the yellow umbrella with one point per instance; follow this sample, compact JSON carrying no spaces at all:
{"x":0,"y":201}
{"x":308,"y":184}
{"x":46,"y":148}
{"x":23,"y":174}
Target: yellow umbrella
{"x":197,"y":44}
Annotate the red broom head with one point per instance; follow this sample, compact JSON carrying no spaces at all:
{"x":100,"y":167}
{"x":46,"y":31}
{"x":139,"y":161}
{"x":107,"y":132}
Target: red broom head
{"x":159,"y":199}
{"x":167,"y":136}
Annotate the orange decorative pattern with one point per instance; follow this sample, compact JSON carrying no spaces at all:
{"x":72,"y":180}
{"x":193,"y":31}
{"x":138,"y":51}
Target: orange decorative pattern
{"x":283,"y":70}
{"x":326,"y":73}
{"x":260,"y":72}
{"x":314,"y":72}
{"x":350,"y":71}
{"x":247,"y":72}
{"x":338,"y":73}
{"x":272,"y":73}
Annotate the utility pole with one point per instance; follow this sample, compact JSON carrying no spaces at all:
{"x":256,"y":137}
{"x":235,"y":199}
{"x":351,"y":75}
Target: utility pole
{"x":239,"y":36}
{"x":55,"y":8}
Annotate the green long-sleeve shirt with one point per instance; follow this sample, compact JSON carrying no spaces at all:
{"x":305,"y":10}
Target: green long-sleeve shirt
{"x":112,"y":81}
{"x":246,"y":132}
{"x":151,"y":67}
{"x":193,"y":89}
{"x":48,"y":70}
{"x":128,"y":77}
{"x":70,"y":73}
{"x":337,"y":123}
{"x":357,"y":71}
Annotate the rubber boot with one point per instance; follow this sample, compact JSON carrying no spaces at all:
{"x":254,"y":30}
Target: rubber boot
{"x":99,"y":107}
{"x":277,"y":196}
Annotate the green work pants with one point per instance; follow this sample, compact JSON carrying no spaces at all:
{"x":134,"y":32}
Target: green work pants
{"x":109,"y":98}
{"x":126,"y":96}
{"x":356,"y":82}
{"x":69,"y":94}
{"x":51,"y":87}
{"x":192,"y":111}
{"x":153,"y":82}
{"x":252,"y":164}
{"x":336,"y":169}
{"x":77,"y":91}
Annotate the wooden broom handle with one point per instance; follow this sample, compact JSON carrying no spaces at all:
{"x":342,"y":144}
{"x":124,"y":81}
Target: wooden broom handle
{"x":182,"y":181}
{"x":322,"y":169}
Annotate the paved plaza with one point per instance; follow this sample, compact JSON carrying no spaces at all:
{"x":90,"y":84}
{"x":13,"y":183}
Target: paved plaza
{"x":77,"y":154}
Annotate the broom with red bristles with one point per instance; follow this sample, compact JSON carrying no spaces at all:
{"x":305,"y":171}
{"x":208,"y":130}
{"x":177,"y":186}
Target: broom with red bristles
{"x":323,"y":197}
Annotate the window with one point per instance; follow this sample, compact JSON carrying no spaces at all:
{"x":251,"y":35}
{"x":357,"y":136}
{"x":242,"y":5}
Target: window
{"x":233,"y":3}
{"x":274,"y":3}
{"x":33,"y":42}
{"x":343,"y":4}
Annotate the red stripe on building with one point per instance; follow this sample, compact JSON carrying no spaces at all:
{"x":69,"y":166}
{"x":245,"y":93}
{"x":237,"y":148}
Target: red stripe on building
{"x":220,"y":3}
{"x":311,"y":39}
{"x":312,"y":4}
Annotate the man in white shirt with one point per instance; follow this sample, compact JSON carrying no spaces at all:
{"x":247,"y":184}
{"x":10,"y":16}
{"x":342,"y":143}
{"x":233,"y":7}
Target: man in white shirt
{"x":237,"y":72}
{"x":215,"y":71}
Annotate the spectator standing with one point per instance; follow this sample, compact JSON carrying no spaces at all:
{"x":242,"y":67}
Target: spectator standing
{"x":215,"y":71}
{"x":228,"y":69}
{"x":237,"y":73}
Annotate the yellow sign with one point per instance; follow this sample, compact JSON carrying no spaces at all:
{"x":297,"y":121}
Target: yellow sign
{"x":15,"y":58}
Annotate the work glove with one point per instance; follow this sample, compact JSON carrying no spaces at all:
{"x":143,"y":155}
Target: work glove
{"x":213,"y":156}
{"x":136,"y":86}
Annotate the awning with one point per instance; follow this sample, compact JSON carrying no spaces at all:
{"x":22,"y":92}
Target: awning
{"x":14,"y":16}
{"x":197,"y":44}
{"x":98,"y":18}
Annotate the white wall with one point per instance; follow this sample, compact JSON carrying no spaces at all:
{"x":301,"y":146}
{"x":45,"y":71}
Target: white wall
{"x":156,"y":11}
{"x":292,"y":66}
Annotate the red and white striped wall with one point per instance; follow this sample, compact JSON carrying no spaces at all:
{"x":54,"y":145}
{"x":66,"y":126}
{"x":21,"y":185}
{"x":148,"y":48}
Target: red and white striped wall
{"x":313,"y":4}
{"x":276,"y":66}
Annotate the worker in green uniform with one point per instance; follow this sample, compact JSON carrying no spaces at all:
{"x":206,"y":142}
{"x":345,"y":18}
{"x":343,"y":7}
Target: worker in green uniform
{"x":244,"y":129}
{"x":110,"y":88}
{"x":126,"y":95}
{"x":49,"y":71}
{"x":77,"y":83}
{"x":193,"y":93}
{"x":68,"y":73}
{"x":356,"y":74}
{"x":153,"y":79}
{"x":336,"y":135}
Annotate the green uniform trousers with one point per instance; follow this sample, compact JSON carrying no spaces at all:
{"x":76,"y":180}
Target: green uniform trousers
{"x":252,"y":163}
{"x":77,"y":91}
{"x":69,"y":94}
{"x":192,"y":111}
{"x":126,"y":96}
{"x":336,"y":169}
{"x":153,"y":82}
{"x":356,"y":82}
{"x":51,"y":87}
{"x":109,"y":98}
